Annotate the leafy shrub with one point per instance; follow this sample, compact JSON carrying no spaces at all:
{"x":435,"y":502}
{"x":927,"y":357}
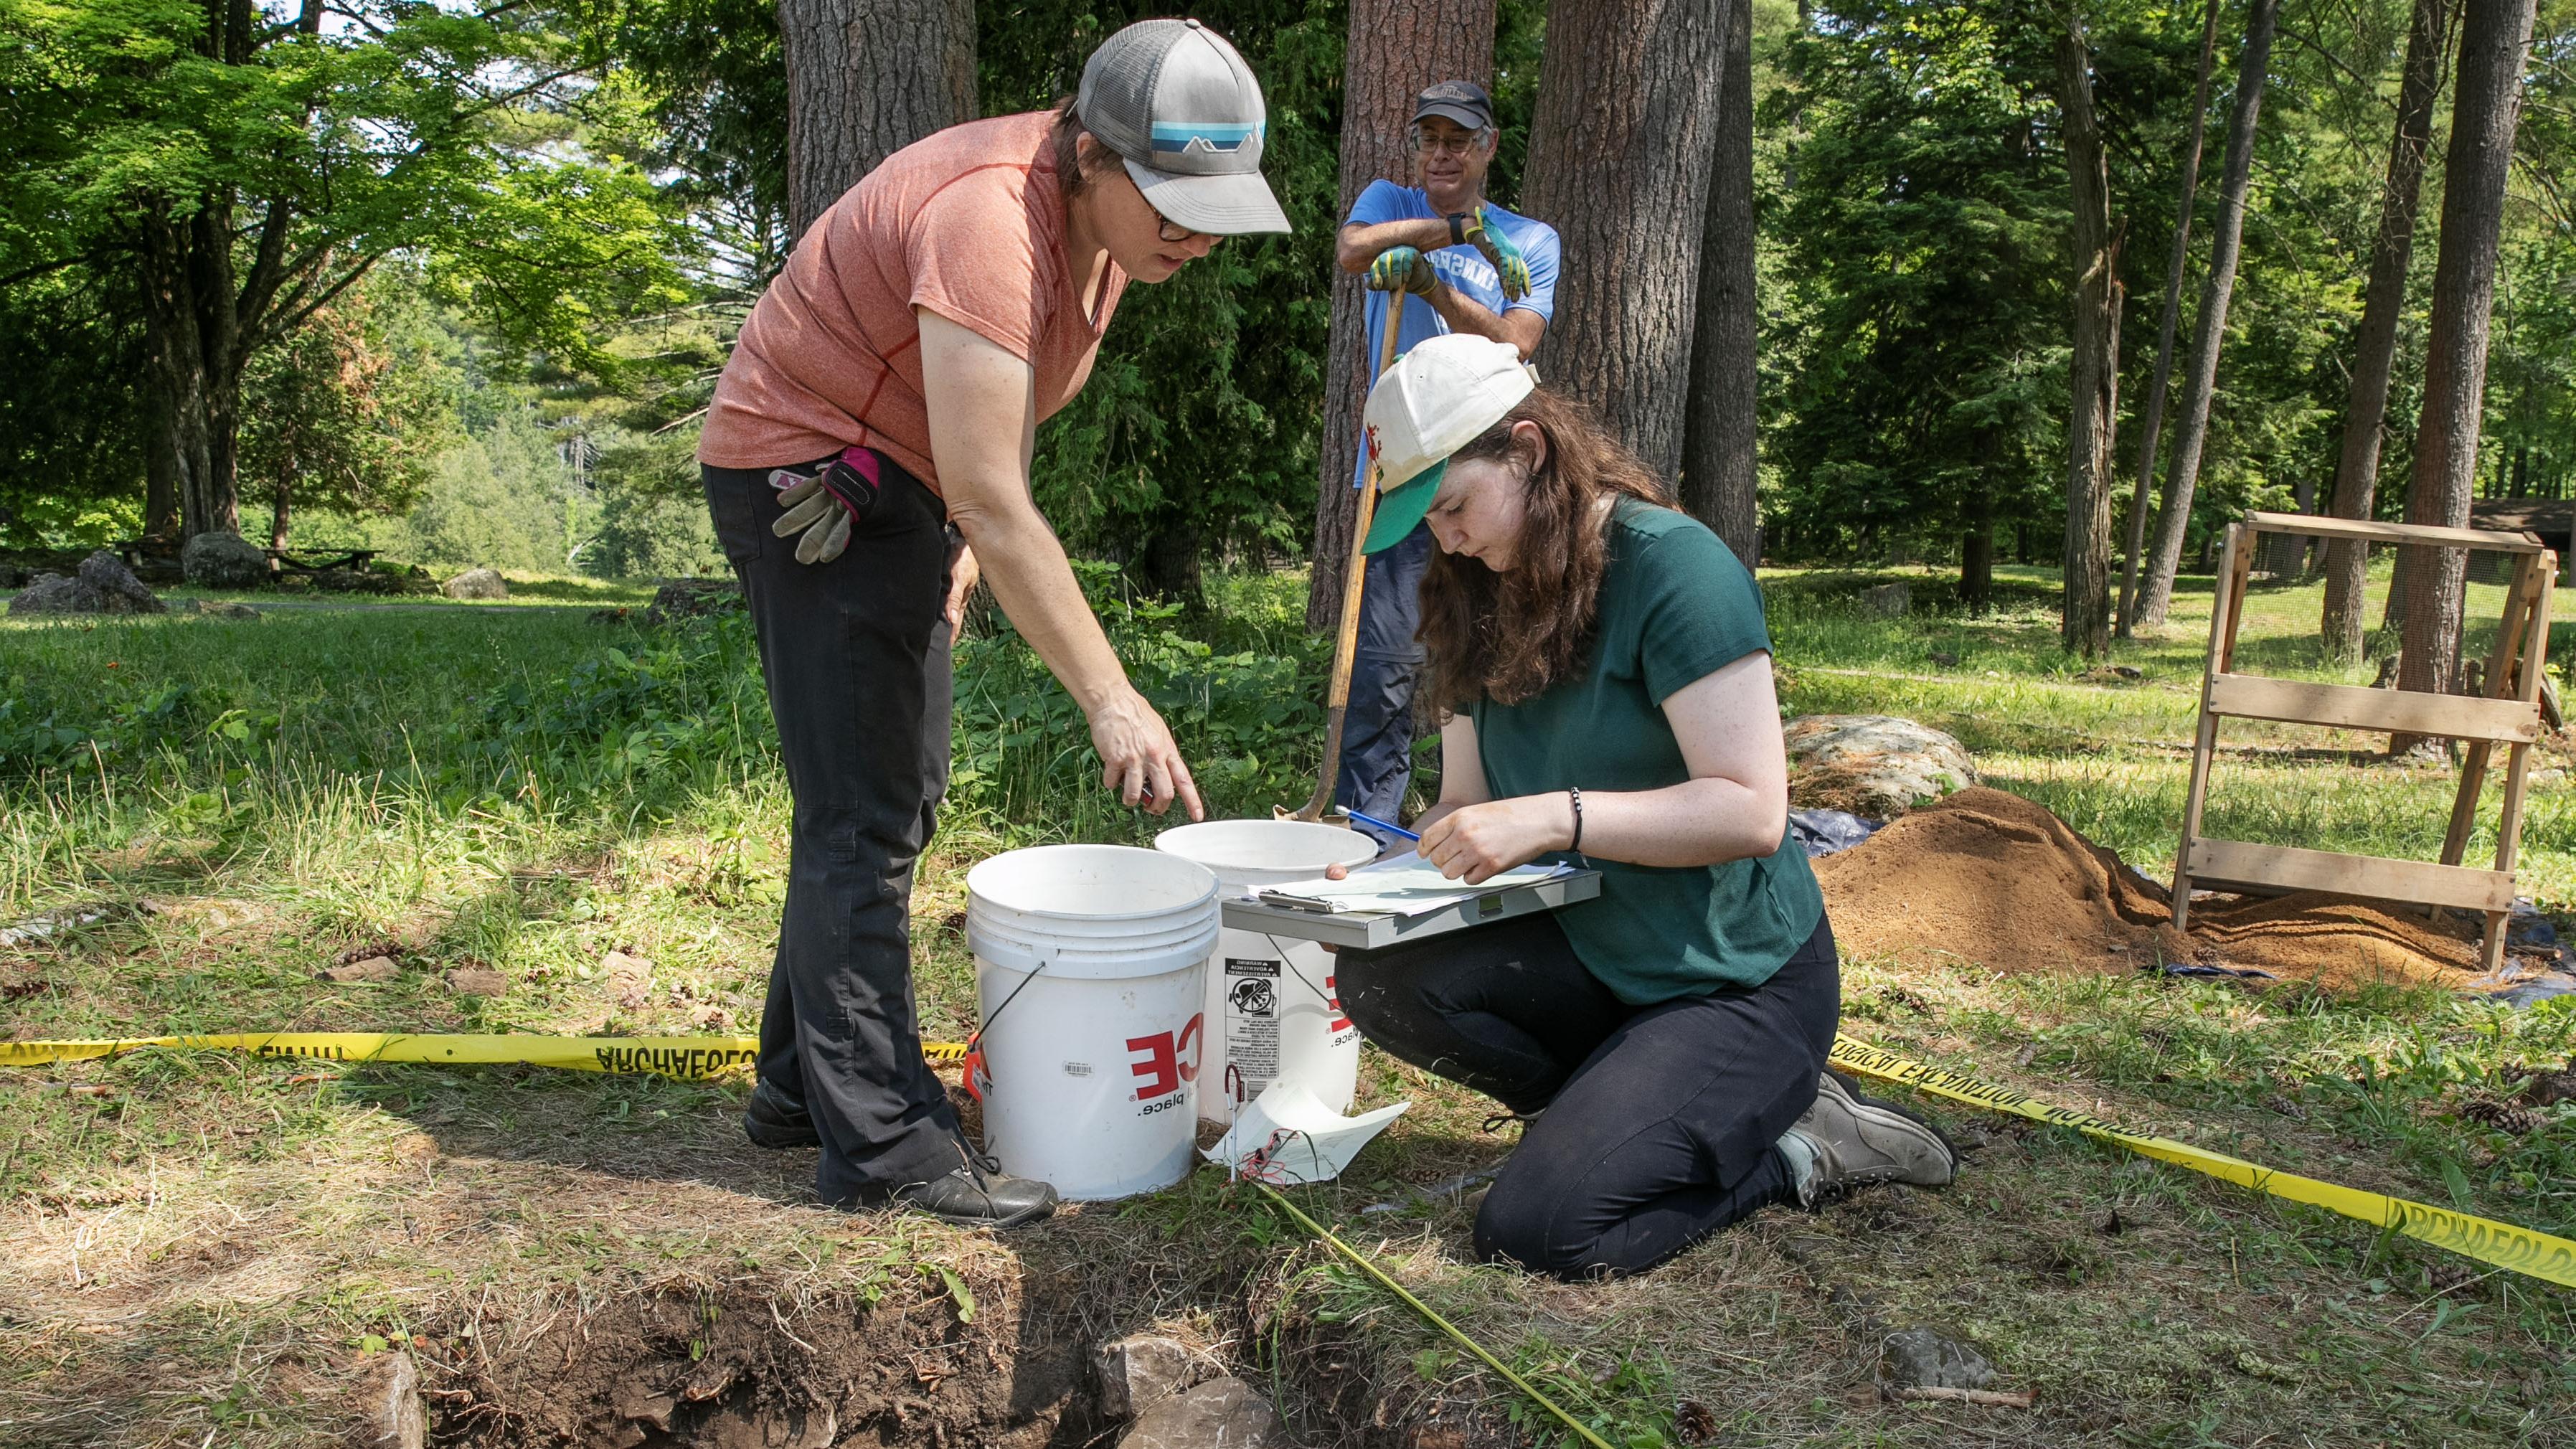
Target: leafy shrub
{"x":687,"y":702}
{"x":43,"y":731}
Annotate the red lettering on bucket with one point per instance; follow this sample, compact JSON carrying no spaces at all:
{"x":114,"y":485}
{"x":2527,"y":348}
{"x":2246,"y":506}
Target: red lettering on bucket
{"x":1333,"y":999}
{"x":1162,"y":1071}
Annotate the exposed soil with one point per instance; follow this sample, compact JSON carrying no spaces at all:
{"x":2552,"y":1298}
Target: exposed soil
{"x":729,"y":1372}
{"x":1993,"y":878}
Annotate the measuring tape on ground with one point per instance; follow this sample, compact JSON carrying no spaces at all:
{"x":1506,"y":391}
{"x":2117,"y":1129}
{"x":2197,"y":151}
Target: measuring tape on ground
{"x":2536,"y":1254}
{"x":692,"y":1057}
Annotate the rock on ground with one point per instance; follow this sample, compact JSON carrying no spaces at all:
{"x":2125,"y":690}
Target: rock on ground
{"x":218,"y":560}
{"x":1932,"y":1358}
{"x":1222,"y":1413}
{"x":1872,"y":765}
{"x":391,"y":1415}
{"x":477,"y":584}
{"x":477,"y":981}
{"x":373,"y":968}
{"x":101,"y":585}
{"x":1140,"y":1371}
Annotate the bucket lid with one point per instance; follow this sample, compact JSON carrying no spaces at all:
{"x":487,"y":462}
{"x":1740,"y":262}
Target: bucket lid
{"x":1285,"y":849}
{"x":1092,"y":883}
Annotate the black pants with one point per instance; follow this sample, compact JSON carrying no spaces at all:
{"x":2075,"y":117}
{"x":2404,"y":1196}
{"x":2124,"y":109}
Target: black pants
{"x":856,"y":655}
{"x":1377,"y":730}
{"x":1661,"y":1121}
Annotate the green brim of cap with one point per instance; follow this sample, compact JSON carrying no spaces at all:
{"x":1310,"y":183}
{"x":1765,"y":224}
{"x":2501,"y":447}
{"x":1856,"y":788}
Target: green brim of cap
{"x":1400,"y":509}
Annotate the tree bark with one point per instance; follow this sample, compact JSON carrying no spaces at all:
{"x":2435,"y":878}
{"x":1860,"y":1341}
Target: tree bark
{"x":866,"y":78}
{"x":2151,"y":418}
{"x":281,"y":507}
{"x":195,"y":343}
{"x":2084,"y":610}
{"x":2173,"y":521}
{"x":2356,"y":487}
{"x":1395,"y":50}
{"x":1627,"y":120}
{"x":1719,"y":462}
{"x":2493,"y":42}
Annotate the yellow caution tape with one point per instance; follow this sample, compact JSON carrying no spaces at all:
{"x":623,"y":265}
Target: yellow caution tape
{"x":2540,"y":1255}
{"x":669,"y":1056}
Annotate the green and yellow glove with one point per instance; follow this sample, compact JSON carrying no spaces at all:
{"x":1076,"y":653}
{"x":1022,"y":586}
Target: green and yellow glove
{"x":1481,"y":233}
{"x":1402,"y":269}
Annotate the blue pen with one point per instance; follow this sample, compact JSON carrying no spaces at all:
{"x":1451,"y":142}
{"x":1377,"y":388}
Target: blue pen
{"x":1376,"y":824}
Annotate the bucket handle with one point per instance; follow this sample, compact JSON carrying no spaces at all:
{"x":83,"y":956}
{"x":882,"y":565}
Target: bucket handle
{"x":978,"y":1075}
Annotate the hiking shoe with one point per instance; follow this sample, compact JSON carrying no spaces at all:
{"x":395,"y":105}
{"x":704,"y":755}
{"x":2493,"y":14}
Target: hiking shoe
{"x":1850,"y":1141}
{"x":774,"y":1119}
{"x":978,"y":1194}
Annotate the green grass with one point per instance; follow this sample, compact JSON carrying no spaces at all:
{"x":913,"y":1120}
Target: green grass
{"x":207,"y":1245}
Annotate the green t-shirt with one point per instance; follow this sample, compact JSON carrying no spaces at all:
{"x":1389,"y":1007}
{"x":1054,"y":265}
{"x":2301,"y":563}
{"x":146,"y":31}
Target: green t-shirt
{"x":1676,"y":606}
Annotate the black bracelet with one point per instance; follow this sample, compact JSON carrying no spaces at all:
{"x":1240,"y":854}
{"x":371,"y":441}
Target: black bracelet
{"x":1575,"y":794}
{"x":1458,"y":229}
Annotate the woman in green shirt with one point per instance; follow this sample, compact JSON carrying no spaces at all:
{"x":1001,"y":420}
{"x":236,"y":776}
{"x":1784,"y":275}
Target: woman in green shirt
{"x":1605,"y":678}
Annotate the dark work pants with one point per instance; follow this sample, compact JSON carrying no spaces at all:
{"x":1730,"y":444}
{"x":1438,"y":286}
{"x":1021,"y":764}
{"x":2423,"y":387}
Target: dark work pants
{"x":1662,"y":1122}
{"x":1377,"y":730}
{"x":856,"y":655}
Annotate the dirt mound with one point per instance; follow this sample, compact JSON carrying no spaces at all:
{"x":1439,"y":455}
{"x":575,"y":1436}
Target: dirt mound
{"x":1992,"y":878}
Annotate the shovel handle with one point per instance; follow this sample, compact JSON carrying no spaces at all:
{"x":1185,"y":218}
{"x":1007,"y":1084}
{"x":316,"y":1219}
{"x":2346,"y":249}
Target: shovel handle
{"x":1337,"y":694}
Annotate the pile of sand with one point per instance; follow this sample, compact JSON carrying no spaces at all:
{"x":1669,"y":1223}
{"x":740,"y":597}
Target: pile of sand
{"x":1992,"y":878}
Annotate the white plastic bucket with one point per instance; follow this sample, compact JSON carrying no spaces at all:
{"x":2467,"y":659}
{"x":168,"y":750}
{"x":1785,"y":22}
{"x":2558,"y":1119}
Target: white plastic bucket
{"x":1093,"y":1068}
{"x":1271,"y":1007}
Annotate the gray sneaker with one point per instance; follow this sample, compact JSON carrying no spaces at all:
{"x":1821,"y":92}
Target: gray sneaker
{"x":1848,"y":1141}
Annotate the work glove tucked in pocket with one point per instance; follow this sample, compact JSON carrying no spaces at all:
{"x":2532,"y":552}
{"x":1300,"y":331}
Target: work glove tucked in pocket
{"x":824,"y":507}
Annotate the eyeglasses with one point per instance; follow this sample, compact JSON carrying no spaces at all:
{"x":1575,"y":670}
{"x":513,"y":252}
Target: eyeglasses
{"x":1166,"y":228}
{"x":1456,"y":143}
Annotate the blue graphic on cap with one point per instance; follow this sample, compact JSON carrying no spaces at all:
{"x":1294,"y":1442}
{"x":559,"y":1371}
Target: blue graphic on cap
{"x":1205,"y":135}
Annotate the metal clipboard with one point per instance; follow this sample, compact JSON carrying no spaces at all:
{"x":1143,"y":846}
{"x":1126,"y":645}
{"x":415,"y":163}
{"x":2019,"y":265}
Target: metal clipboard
{"x":1371,"y":931}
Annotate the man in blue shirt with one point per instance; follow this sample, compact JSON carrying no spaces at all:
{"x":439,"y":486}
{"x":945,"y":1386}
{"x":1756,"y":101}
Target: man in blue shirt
{"x":1480,"y":269}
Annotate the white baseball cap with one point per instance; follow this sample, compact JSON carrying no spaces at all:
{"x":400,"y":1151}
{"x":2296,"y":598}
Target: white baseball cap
{"x":1179,"y":106}
{"x":1439,"y":397}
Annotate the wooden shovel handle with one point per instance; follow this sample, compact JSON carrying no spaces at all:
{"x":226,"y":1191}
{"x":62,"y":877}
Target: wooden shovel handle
{"x":1337,"y":694}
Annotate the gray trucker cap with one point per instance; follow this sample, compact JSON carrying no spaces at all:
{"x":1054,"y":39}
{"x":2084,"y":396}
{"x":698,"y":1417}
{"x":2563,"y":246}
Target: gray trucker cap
{"x":1182,"y":109}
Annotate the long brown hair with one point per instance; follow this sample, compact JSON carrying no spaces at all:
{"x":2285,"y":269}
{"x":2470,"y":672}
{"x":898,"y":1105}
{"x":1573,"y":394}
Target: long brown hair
{"x":1507,"y":636}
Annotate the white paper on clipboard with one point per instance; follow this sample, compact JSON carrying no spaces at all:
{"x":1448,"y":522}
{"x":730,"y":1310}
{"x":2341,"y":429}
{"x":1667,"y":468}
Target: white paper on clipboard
{"x":1400,"y":885}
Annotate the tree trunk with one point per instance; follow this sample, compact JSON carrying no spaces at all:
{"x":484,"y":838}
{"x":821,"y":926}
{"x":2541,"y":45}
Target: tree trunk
{"x":160,"y":452}
{"x":866,"y":78}
{"x":1618,"y":161}
{"x":1718,"y":457}
{"x":2173,"y":521}
{"x":2356,"y":488}
{"x":281,"y":511}
{"x":2084,"y":610}
{"x":1395,"y":50}
{"x":2151,"y":419}
{"x":196,"y":354}
{"x":2493,"y":42}
{"x":1977,"y":559}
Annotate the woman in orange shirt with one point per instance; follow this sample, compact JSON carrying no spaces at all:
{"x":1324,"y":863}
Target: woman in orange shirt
{"x":866,"y":453}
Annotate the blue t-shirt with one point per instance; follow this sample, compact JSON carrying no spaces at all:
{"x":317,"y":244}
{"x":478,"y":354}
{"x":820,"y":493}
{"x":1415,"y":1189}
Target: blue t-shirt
{"x":1462,"y":267}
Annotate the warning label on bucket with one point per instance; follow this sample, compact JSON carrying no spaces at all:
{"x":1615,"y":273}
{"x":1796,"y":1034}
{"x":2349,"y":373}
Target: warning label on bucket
{"x":1252,"y":1017}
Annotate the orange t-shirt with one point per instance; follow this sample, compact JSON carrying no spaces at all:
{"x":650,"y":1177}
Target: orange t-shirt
{"x":968,"y":222}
